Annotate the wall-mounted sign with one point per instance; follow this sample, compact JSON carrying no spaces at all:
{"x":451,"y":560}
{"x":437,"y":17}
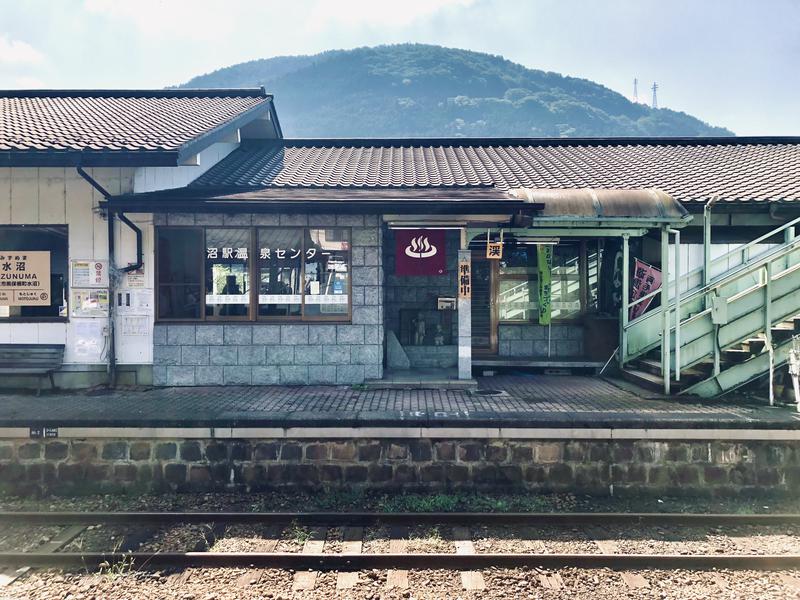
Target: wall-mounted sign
{"x":135,"y":279}
{"x":445,"y":303}
{"x":25,"y":278}
{"x":465,"y":279}
{"x":420,"y":252}
{"x":263,"y":253}
{"x":134,"y":302}
{"x":90,"y":273}
{"x":89,"y":303}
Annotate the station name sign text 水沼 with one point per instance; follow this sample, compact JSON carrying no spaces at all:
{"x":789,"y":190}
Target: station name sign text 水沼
{"x":25,"y":278}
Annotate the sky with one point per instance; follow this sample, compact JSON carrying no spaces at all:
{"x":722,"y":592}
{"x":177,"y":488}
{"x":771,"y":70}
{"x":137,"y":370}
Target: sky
{"x":732,"y":63}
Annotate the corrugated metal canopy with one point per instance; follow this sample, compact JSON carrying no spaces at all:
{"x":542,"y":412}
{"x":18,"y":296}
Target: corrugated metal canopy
{"x":604,"y":204}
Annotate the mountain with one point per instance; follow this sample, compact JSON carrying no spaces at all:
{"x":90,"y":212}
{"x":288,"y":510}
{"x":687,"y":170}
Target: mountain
{"x":422,"y":90}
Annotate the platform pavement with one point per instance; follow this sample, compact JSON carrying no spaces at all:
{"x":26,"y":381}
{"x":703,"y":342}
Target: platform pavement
{"x":530,"y":401}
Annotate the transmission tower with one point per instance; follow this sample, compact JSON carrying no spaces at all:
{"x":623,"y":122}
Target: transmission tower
{"x":636,"y":90}
{"x":655,"y":99}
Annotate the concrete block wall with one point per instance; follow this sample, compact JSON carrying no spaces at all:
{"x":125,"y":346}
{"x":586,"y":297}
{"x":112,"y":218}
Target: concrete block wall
{"x":530,"y":340}
{"x":282,"y":354}
{"x":580,"y":466}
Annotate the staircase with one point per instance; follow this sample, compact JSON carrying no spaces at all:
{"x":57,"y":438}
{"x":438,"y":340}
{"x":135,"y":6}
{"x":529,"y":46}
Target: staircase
{"x":722,"y":331}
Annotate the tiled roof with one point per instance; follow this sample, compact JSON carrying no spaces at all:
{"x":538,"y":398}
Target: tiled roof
{"x":117,"y":121}
{"x":692,"y":169}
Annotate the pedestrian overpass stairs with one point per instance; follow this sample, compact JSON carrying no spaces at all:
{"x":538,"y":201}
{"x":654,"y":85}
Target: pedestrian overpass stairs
{"x":725,"y":326}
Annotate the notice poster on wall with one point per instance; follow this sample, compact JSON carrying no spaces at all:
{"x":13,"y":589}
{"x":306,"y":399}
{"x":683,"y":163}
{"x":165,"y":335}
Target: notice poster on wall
{"x":134,"y":325}
{"x":88,"y":339}
{"x":89,"y":303}
{"x":135,"y":279}
{"x":134,"y":302}
{"x":89,"y":273}
{"x":24,"y":278}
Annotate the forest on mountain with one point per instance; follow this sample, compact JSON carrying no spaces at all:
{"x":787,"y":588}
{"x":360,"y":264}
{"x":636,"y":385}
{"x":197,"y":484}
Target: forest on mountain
{"x":420,"y":90}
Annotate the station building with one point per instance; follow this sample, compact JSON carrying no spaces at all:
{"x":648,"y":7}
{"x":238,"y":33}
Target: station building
{"x":188,"y":243}
{"x":262,"y":305}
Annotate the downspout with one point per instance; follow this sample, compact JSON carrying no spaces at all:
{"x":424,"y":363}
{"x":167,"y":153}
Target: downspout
{"x":112,"y":269}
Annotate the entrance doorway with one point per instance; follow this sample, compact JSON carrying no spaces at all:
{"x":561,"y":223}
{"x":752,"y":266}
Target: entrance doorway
{"x":484,"y":308}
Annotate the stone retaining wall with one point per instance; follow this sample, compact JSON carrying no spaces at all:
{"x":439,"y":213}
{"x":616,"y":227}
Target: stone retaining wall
{"x":595,"y":467}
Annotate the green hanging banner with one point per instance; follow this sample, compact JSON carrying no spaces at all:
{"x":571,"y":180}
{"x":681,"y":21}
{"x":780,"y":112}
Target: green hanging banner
{"x":544,"y":260}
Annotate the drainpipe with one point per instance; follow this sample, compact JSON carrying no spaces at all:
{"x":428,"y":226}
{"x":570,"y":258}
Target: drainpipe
{"x":112,"y":269}
{"x":111,"y":365}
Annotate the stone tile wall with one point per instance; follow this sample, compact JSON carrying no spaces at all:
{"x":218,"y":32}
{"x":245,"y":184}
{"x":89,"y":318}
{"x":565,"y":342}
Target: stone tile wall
{"x":285,"y":354}
{"x":531,"y":340}
{"x":592,"y":466}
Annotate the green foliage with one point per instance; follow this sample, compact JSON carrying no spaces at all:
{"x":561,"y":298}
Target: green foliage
{"x":466,"y":502}
{"x":429,"y":91}
{"x":300,"y":534}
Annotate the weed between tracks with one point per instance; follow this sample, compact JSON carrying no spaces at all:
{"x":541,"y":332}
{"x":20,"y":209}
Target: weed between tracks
{"x":445,"y":501}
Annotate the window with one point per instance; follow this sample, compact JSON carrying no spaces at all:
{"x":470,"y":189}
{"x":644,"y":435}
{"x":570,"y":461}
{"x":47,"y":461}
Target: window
{"x":327,"y":272}
{"x":227,"y":273}
{"x":248,"y":274}
{"x":33,"y":257}
{"x":180,"y":273}
{"x":574,"y":276}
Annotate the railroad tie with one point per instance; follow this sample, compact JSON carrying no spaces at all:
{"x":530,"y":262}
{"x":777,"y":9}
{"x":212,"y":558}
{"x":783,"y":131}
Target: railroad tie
{"x":632,"y":580}
{"x":790,"y":581}
{"x":470,"y":580}
{"x":398,"y":544}
{"x":551,"y":582}
{"x":305,"y":580}
{"x":269,"y":542}
{"x":351,"y":544}
{"x":9,"y":575}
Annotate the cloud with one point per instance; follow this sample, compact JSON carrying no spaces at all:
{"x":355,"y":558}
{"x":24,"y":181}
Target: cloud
{"x":26,"y":82}
{"x":18,"y":53}
{"x":355,"y":13}
{"x":201,"y":20}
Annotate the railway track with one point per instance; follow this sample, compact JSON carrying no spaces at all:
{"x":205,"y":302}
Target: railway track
{"x":602,"y":544}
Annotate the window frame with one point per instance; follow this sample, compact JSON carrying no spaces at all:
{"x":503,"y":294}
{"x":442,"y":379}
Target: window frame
{"x":583,"y":276}
{"x":254,"y":275}
{"x":67,"y":280}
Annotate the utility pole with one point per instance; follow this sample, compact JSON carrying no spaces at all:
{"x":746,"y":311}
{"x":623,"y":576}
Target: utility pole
{"x":655,"y":99}
{"x":636,"y":90}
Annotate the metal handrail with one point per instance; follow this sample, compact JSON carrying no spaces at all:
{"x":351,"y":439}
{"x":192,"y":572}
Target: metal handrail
{"x":727,"y":255}
{"x":729,"y":275}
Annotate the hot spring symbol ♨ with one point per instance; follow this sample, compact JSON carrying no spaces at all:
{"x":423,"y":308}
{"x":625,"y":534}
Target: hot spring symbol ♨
{"x":420,"y":247}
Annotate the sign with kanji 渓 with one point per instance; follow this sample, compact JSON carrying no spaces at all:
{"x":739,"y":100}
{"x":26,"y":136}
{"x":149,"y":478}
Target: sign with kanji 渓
{"x":494,"y":250}
{"x":465,"y":279}
{"x":544,"y":260}
{"x":25,"y":278}
{"x":646,"y":279}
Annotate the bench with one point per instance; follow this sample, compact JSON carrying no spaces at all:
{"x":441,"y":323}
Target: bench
{"x":32,"y":359}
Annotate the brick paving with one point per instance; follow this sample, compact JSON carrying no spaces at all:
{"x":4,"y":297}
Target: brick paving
{"x":525,"y":401}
